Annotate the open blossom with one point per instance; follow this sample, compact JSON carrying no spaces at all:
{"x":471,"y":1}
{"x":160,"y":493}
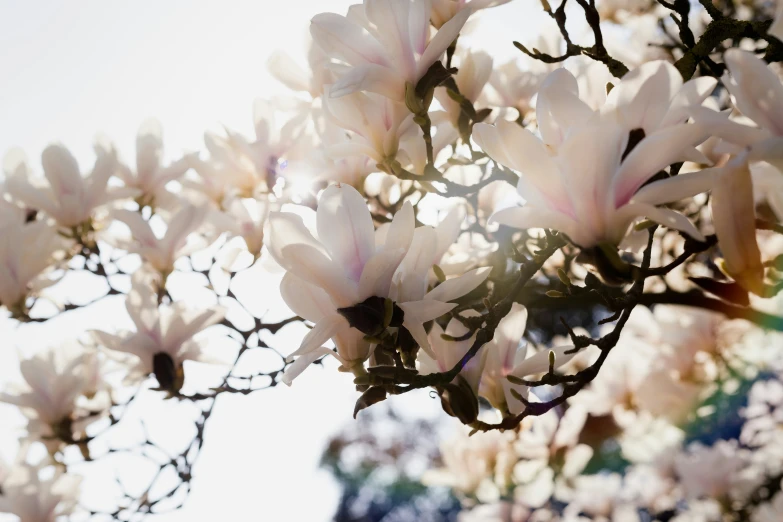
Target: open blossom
{"x":734,"y":218}
{"x":60,"y":397}
{"x":507,"y":354}
{"x":376,"y":125}
{"x":164,"y":336}
{"x":758,"y":94}
{"x":178,"y":240}
{"x":711,"y":472}
{"x":591,"y":190}
{"x":383,"y":44}
{"x":68,"y":198}
{"x":245,"y":218}
{"x":350,"y":264}
{"x":28,"y":252}
{"x":151,"y":175}
{"x":24,"y":494}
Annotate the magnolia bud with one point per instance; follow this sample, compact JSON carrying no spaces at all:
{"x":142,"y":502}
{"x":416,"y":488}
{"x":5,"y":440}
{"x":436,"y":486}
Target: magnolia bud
{"x":458,"y":400}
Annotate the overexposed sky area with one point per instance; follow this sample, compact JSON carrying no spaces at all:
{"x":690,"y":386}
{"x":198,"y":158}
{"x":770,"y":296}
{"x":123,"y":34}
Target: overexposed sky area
{"x":73,"y":69}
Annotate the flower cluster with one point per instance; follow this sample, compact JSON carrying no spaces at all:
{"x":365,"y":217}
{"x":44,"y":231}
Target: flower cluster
{"x":578,"y":252}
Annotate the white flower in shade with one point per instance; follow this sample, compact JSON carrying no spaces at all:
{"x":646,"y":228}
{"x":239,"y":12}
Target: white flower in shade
{"x":711,"y":472}
{"x":151,"y":175}
{"x":507,"y":354}
{"x":474,"y":71}
{"x":442,"y":355}
{"x":376,"y":125}
{"x":445,"y":10}
{"x":758,"y":94}
{"x":164,"y":336}
{"x":162,"y":252}
{"x":768,"y":187}
{"x":383,"y":44}
{"x":54,"y":397}
{"x":67,"y":197}
{"x":24,"y":494}
{"x":591,"y":190}
{"x":413,"y":152}
{"x":28,"y":253}
{"x":734,"y":217}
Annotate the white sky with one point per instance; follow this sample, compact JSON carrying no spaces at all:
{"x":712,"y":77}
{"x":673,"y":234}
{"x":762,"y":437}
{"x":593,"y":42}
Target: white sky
{"x":72,"y":69}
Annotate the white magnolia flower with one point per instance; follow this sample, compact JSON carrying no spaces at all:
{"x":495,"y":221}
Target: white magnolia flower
{"x":771,"y":511}
{"x":164,"y":336}
{"x":151,"y":175}
{"x":68,"y":198}
{"x":349,"y":264}
{"x":590,"y":190}
{"x":33,"y":499}
{"x":54,"y":397}
{"x":376,"y":125}
{"x":442,"y":355}
{"x":28,"y":253}
{"x":758,"y":94}
{"x":289,"y":73}
{"x":474,"y":71}
{"x":445,"y":10}
{"x":507,"y":354}
{"x":514,"y":86}
{"x":383,"y":44}
{"x":734,"y":218}
{"x":179,"y":239}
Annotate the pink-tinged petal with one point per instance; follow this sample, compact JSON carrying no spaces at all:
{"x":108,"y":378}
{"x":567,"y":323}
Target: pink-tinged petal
{"x":664,"y":216}
{"x":345,"y":228}
{"x":19,"y":188}
{"x":377,"y":274}
{"x":445,"y":36}
{"x":326,"y":328}
{"x":643,"y":96}
{"x":589,"y":159}
{"x":654,"y":153}
{"x":140,"y":229}
{"x":392,"y":18}
{"x":62,"y":170}
{"x":488,"y":138}
{"x":691,"y":94}
{"x":416,"y":264}
{"x":287,"y":71}
{"x":676,"y":188}
{"x":182,"y":225}
{"x":456,"y":287}
{"x":508,"y":338}
{"x":371,"y":78}
{"x":757,"y":91}
{"x":305,"y":299}
{"x":286,"y":228}
{"x":539,"y":362}
{"x":400,"y":232}
{"x":298,"y":366}
{"x":769,"y":150}
{"x":344,"y":39}
{"x":722,"y":127}
{"x":734,"y":217}
{"x":313,"y":266}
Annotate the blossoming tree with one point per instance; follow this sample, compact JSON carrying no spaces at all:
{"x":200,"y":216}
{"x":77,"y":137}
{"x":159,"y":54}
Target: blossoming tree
{"x":578,"y":252}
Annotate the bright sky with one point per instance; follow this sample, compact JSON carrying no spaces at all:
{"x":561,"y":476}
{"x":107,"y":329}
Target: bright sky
{"x":72,"y":69}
